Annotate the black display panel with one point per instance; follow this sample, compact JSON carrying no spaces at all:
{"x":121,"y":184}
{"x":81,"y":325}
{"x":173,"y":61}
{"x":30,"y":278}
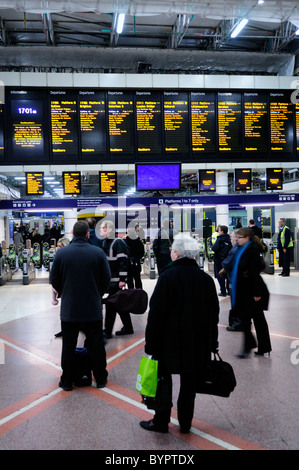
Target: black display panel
{"x":157,"y":176}
{"x":176,"y":122}
{"x":121,"y":123}
{"x":256,"y":123}
{"x":108,"y":182}
{"x":281,"y":123}
{"x":242,"y":179}
{"x":34,"y":184}
{"x":229,"y":122}
{"x":71,"y":182}
{"x":206,"y":180}
{"x":148,"y":122}
{"x":203,"y":125}
{"x":64,"y":125}
{"x":274,"y":178}
{"x":26,"y":115}
{"x":92,"y":115}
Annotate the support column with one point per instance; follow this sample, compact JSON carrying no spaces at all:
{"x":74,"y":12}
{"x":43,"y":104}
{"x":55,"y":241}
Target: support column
{"x":222,"y":216}
{"x":70,"y":218}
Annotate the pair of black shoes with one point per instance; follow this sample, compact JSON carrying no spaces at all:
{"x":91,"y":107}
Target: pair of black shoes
{"x":151,"y":426}
{"x":123,"y":331}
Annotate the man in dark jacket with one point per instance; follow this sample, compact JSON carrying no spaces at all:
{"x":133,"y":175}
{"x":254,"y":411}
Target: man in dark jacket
{"x":135,"y":253}
{"x":221,"y":248}
{"x":256,"y":230}
{"x":93,"y":238}
{"x":80,"y":274}
{"x":181,"y":330}
{"x":117,"y":255}
{"x":162,"y":244}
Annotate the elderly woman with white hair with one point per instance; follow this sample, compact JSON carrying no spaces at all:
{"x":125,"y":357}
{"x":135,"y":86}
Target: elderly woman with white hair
{"x":182,"y":330}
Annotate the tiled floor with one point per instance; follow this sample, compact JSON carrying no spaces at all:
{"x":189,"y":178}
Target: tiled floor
{"x":35,"y":414}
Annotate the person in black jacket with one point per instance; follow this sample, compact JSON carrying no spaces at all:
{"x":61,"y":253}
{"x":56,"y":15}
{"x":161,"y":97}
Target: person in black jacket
{"x":182,"y":329}
{"x":80,"y":274}
{"x":221,"y":248}
{"x":249,"y":293}
{"x":117,"y":254}
{"x":256,"y":230}
{"x":93,"y":238}
{"x":162,"y":244}
{"x":136,"y":253}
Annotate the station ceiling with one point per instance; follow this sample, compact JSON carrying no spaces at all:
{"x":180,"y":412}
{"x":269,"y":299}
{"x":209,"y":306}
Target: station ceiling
{"x":186,"y":36}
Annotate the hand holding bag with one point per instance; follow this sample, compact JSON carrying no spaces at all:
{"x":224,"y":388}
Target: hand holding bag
{"x":217,"y":378}
{"x":147,"y":378}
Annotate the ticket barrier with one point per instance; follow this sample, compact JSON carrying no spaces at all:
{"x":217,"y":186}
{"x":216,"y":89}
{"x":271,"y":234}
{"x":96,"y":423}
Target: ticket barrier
{"x":201,"y":256}
{"x":149,"y":264}
{"x":5,"y":271}
{"x":269,"y":257}
{"x":28,"y":266}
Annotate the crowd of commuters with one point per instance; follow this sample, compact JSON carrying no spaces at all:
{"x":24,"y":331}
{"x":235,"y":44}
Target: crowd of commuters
{"x":180,"y":336}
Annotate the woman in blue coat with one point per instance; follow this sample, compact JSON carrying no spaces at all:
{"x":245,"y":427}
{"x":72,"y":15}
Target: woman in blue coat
{"x":249,"y":293}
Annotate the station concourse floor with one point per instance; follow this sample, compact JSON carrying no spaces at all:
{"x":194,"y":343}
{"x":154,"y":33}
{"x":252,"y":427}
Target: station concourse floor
{"x":35,"y":414}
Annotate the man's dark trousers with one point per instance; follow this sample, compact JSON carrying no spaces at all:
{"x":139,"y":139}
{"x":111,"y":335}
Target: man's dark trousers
{"x":95,"y":344}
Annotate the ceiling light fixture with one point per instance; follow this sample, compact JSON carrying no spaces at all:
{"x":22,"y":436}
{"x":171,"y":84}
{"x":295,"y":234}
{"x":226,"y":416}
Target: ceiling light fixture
{"x":120,"y":23}
{"x":297,"y":32}
{"x":238,"y":27}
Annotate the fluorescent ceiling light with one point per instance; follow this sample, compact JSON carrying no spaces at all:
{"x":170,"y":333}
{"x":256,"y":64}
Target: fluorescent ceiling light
{"x":238,"y":28}
{"x":120,"y":23}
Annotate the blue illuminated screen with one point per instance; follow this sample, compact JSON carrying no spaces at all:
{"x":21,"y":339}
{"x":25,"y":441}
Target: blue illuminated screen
{"x":158,"y":176}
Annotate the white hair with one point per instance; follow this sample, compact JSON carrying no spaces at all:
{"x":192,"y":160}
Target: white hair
{"x":186,"y":246}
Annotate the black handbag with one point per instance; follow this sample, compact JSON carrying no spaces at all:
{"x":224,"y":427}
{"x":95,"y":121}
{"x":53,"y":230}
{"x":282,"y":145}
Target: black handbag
{"x":128,"y":300}
{"x":218,"y":378}
{"x":162,"y":399}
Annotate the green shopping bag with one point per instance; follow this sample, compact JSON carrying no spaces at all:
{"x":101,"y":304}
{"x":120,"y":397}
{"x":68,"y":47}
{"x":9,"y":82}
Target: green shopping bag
{"x":147,"y":378}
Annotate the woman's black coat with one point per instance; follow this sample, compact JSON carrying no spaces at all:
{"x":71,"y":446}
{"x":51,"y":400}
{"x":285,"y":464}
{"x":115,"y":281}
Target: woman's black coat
{"x":250,"y":283}
{"x":182,"y":329}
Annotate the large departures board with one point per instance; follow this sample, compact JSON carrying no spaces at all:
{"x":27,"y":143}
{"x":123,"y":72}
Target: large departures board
{"x":92,"y":119}
{"x":64,"y":128}
{"x":41,"y":125}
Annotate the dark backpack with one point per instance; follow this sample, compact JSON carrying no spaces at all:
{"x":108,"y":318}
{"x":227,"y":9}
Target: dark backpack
{"x":225,"y":248}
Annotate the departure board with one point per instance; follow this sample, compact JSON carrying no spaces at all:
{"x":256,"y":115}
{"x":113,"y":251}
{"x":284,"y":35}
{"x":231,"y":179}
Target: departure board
{"x":121,"y":122}
{"x":71,"y":182}
{"x":242,"y":179}
{"x":176,"y":122}
{"x":92,"y":123}
{"x":274,"y":178}
{"x":148,"y":122}
{"x":203,"y":129}
{"x":256,"y":122}
{"x":229,"y":122}
{"x":35,"y":184}
{"x":63,"y":108}
{"x":108,"y":182}
{"x":26,"y":119}
{"x":281,"y":122}
{"x":206,"y":180}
